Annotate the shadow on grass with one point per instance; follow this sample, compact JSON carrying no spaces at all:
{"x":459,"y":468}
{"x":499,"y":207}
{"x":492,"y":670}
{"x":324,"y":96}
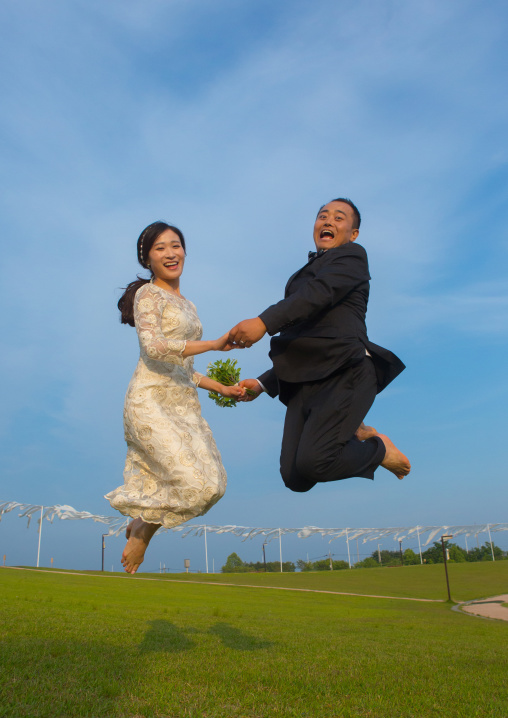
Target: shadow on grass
{"x":233,"y":638}
{"x":164,"y":636}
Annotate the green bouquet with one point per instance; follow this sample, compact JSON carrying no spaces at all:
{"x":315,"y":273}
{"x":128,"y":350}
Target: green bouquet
{"x":228,"y":374}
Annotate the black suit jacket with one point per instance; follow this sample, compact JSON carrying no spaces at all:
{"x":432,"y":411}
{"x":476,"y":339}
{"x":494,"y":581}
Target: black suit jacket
{"x":321,"y":322}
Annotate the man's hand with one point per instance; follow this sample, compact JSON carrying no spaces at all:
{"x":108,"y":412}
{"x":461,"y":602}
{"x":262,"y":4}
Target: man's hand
{"x":253,"y":386}
{"x":248,"y":332}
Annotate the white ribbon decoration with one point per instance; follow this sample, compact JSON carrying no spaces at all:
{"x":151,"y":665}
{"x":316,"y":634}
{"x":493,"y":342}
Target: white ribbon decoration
{"x":117,"y":524}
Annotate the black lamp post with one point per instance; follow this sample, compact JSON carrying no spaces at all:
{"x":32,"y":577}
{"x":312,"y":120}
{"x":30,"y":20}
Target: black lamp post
{"x":264,"y":555}
{"x":443,"y":539}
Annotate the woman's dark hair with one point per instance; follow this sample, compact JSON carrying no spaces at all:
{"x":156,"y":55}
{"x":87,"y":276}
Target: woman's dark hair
{"x":145,"y":243}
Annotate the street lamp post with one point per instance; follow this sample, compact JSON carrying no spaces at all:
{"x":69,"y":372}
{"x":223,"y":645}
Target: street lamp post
{"x":264,"y":555}
{"x":103,"y":547}
{"x":443,"y":539}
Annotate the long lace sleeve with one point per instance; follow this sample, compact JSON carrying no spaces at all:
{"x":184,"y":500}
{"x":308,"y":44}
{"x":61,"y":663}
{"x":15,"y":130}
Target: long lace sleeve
{"x":196,"y":377}
{"x":148,"y":307}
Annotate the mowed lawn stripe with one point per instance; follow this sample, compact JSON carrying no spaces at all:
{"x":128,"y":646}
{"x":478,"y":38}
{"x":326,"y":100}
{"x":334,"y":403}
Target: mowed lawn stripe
{"x":222,"y":583}
{"x":468,"y":581}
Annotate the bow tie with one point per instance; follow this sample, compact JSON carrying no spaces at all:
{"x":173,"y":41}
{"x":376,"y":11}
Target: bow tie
{"x":313,"y":255}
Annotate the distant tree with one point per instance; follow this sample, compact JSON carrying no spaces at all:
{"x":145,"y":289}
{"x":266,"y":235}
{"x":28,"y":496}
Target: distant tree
{"x":434,"y":554}
{"x":272,"y":566}
{"x":484,"y":553}
{"x":339,"y":565}
{"x":234,"y":564}
{"x":459,"y":555}
{"x":322,"y":565}
{"x":474,"y":554}
{"x":410,"y":557}
{"x":388,"y":558}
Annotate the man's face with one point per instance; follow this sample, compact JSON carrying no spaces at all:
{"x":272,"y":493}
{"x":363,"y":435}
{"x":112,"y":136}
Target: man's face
{"x":334,"y":226}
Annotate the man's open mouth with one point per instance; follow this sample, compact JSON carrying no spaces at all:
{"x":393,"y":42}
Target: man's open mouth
{"x":325,"y":233}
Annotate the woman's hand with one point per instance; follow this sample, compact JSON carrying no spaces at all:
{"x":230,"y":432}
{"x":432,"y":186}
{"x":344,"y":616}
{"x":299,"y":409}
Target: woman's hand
{"x":223,"y":344}
{"x":233,"y":392}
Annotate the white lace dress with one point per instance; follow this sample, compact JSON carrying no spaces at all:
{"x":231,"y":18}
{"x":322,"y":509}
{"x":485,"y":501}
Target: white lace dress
{"x":173,"y":470}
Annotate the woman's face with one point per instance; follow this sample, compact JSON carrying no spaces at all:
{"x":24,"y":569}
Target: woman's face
{"x":167,"y":256}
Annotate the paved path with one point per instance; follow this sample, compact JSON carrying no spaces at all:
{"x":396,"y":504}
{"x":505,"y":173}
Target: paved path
{"x":487,"y":607}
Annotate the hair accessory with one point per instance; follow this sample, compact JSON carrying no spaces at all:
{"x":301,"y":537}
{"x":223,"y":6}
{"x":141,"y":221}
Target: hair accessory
{"x":141,"y":260}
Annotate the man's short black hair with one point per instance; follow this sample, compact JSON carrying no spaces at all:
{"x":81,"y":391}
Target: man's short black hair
{"x":356,"y":212}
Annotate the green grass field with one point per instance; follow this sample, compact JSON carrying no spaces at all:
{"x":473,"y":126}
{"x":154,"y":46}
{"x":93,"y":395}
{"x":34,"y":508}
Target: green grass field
{"x":116,"y":646}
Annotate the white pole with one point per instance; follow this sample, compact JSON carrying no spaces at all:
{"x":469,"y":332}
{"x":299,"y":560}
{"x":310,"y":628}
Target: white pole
{"x":490,"y":539}
{"x":419,"y":544}
{"x":40,"y":530}
{"x":206,"y":552}
{"x":465,"y":538}
{"x":213,"y":565}
{"x":348,"y":554}
{"x":280,"y":549}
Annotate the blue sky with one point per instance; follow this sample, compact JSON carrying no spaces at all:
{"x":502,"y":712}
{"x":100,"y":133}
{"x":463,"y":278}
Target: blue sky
{"x":235,"y":121}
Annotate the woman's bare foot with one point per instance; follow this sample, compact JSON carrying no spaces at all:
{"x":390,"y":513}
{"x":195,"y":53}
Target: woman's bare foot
{"x":365,"y":432}
{"x":139,"y":534}
{"x":394,"y":460}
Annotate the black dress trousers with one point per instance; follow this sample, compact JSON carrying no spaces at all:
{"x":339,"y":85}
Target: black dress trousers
{"x":319,"y":442}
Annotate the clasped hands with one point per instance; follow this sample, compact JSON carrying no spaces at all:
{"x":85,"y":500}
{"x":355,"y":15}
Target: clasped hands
{"x":247,"y":333}
{"x":244,"y":335}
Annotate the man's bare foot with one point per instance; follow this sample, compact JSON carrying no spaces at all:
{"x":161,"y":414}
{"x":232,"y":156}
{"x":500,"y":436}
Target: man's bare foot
{"x":394,"y":460}
{"x":365,"y":432}
{"x":139,"y":534}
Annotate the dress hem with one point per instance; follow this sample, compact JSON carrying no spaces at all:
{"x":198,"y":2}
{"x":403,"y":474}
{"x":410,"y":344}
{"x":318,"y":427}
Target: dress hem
{"x":125,"y":512}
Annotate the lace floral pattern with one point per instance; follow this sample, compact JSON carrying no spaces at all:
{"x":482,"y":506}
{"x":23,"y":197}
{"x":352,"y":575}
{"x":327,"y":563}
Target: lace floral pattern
{"x":173,"y":471}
